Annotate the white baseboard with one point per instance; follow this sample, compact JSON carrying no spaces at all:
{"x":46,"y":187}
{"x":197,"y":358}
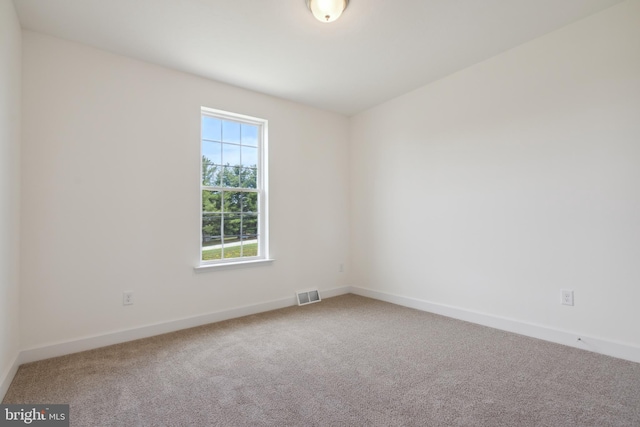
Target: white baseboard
{"x":97,"y":341}
{"x":610,"y":348}
{"x":8,"y":375}
{"x":330,"y":293}
{"x":597,"y":345}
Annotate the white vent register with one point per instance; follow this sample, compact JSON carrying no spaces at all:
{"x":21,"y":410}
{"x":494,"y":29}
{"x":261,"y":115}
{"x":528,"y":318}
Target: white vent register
{"x":308,"y":297}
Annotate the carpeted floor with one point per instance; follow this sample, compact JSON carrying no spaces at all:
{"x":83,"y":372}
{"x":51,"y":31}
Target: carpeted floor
{"x":347,"y":361}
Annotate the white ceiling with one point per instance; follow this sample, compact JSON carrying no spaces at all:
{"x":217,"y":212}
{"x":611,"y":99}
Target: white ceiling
{"x":377,"y":50}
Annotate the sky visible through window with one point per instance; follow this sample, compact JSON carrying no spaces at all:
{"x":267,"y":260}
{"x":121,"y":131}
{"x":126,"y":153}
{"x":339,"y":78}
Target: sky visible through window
{"x":215,"y":132}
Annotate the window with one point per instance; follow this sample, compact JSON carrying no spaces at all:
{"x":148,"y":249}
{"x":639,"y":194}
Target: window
{"x":234,"y":197}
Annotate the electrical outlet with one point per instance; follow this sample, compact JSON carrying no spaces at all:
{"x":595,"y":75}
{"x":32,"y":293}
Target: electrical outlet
{"x":341,"y":268}
{"x":127,"y":298}
{"x":567,"y":297}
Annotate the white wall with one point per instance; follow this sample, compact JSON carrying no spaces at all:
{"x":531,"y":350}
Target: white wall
{"x":10,"y":65}
{"x":493,"y":188}
{"x":110,"y":196}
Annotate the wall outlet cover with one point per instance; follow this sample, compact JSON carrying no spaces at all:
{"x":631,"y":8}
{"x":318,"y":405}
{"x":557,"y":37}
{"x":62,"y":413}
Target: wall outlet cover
{"x":127,"y":298}
{"x":567,"y":297}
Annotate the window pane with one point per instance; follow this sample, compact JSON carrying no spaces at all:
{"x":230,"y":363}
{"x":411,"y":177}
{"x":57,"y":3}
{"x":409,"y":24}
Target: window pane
{"x":249,"y":178}
{"x":250,"y":248}
{"x":233,"y":202}
{"x":249,"y":135}
{"x":211,"y":128}
{"x":211,"y":201}
{"x":232,"y":252}
{"x":230,"y":154}
{"x":211,"y":254}
{"x":210,"y":173}
{"x":249,"y":227}
{"x":211,"y":237}
{"x":230,"y":132}
{"x":250,"y":203}
{"x":211,"y":227}
{"x":249,"y":156}
{"x":212,"y":151}
{"x":231,"y":176}
{"x":232,"y":226}
{"x":232,"y":238}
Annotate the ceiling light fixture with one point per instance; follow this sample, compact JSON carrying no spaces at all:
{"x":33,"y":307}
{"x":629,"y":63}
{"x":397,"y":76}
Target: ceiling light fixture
{"x":327,"y":10}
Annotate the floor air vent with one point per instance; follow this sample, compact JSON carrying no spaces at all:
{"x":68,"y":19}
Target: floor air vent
{"x":308,"y":297}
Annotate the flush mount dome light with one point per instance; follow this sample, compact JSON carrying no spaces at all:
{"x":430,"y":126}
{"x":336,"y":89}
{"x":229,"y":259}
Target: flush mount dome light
{"x":327,"y":10}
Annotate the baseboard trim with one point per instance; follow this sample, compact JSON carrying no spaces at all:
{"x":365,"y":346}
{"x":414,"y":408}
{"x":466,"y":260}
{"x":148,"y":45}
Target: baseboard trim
{"x":598,"y":345}
{"x":334,"y":292}
{"x":8,"y":376}
{"x":103,"y":340}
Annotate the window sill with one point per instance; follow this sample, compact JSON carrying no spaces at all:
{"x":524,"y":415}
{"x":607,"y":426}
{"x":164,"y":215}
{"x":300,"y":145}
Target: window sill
{"x":239,"y":264}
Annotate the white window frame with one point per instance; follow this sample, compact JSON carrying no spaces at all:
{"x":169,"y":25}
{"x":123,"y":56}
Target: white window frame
{"x":261,"y":188}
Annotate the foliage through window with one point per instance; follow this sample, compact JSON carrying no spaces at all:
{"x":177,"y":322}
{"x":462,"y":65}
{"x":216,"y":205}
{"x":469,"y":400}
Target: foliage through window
{"x":233,"y":188}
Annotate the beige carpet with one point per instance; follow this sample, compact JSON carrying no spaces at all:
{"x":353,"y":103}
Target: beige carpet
{"x":347,"y":361}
